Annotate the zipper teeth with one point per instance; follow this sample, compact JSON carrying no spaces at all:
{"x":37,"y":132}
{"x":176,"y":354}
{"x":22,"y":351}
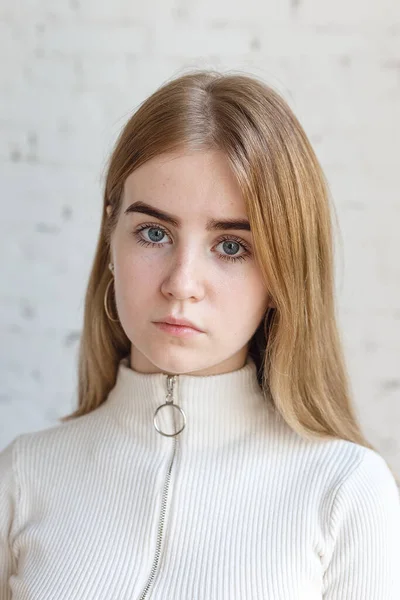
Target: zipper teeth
{"x":170,"y":383}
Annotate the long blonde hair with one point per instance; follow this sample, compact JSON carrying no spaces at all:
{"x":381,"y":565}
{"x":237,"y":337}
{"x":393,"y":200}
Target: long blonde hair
{"x":297,"y":348}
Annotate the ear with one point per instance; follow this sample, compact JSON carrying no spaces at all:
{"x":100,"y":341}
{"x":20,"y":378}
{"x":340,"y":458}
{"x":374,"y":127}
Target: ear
{"x":108,"y":209}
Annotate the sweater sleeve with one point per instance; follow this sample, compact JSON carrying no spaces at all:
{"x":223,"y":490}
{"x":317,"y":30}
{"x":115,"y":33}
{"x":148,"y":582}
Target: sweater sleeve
{"x":365,"y":529}
{"x":8,"y":497}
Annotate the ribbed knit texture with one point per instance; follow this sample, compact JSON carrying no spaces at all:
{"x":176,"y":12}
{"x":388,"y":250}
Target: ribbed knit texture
{"x":253,"y":511}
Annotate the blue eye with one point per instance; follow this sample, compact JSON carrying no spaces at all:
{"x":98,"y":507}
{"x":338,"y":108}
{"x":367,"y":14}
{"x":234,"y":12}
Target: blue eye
{"x":228,"y":241}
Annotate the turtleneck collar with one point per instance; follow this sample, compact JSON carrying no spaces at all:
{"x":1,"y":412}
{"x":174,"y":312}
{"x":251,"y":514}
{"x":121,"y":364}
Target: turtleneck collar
{"x":218,"y":408}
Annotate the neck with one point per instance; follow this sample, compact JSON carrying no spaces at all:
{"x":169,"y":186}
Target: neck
{"x":207,"y":410}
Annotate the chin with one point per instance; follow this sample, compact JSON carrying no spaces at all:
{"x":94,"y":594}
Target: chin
{"x":160,"y":359}
{"x":176,"y":366}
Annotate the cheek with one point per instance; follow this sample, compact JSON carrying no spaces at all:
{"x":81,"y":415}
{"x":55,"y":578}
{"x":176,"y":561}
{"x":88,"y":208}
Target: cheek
{"x":136,"y":282}
{"x":136,"y":266}
{"x":243,"y":301}
{"x":248,"y":290}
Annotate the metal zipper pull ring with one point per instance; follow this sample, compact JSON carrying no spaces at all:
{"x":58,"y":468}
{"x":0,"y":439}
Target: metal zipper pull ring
{"x":169,"y":402}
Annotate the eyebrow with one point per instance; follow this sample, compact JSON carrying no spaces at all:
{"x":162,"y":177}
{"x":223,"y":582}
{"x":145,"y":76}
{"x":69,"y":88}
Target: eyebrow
{"x":212,"y":224}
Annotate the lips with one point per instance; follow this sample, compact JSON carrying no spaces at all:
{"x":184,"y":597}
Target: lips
{"x":179,"y":322}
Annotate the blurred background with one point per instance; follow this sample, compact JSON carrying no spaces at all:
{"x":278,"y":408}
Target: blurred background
{"x":73,"y":72}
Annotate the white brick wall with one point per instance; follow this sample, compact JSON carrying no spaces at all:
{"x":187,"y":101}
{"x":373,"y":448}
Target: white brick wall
{"x":73,"y":72}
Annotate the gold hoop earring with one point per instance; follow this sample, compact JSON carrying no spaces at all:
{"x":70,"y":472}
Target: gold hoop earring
{"x":105,"y":302}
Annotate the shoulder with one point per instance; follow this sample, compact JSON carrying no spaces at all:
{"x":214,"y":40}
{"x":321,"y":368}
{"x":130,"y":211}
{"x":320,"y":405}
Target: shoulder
{"x":352,"y":471}
{"x":330,"y":462}
{"x":337,"y":473}
{"x":361,"y":495}
{"x":28,"y":452}
{"x":368,"y":479}
{"x":354,"y":466}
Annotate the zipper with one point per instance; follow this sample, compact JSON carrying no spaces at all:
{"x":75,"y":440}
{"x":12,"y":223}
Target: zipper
{"x":170,"y":381}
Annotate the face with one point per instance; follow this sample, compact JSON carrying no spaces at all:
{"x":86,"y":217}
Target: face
{"x":185,"y":267}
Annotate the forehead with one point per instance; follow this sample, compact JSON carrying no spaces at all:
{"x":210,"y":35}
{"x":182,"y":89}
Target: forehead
{"x":200,"y":182}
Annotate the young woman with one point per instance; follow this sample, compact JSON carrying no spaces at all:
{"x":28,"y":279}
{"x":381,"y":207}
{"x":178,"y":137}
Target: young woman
{"x":214,"y":453}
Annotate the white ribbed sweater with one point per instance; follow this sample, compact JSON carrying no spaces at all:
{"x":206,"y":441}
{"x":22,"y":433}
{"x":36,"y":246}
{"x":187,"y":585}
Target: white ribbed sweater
{"x":252,"y":510}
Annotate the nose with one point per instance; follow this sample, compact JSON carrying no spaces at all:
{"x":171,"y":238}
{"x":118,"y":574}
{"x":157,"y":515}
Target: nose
{"x":183,"y":279}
